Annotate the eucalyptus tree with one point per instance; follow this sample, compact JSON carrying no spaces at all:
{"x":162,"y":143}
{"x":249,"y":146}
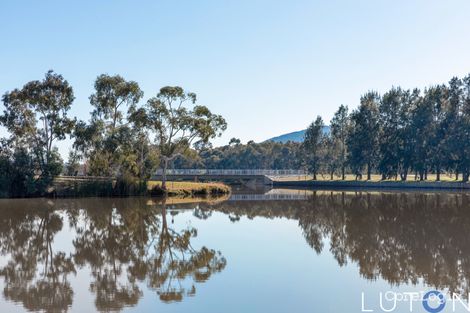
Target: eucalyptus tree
{"x":36,"y":116}
{"x":364,"y":135}
{"x":313,"y":146}
{"x":105,"y":140}
{"x":339,"y":132}
{"x":178,"y":122}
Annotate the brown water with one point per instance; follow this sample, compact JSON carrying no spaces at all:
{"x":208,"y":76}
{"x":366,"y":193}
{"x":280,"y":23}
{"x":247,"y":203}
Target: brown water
{"x":288,"y":251}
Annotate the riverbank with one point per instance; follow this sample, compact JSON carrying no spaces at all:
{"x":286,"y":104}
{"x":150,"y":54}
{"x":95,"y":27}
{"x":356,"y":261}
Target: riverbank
{"x":105,"y":187}
{"x":373,"y":184}
{"x":182,"y":188}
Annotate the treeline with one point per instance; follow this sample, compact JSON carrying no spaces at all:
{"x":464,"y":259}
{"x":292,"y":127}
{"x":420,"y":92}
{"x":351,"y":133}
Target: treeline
{"x":265,"y":155}
{"x":123,"y":139}
{"x":396,"y":134}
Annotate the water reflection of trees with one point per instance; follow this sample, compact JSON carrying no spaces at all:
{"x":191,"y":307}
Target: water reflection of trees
{"x":400,"y":237}
{"x":124,"y":243}
{"x":35,"y":273}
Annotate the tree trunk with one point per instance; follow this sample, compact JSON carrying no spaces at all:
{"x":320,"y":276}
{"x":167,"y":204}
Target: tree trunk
{"x":369,"y":170}
{"x":165,"y":167}
{"x":404,"y":175}
{"x":456,"y":175}
{"x":314,"y":175}
{"x":343,"y":176}
{"x":331,"y":176}
{"x":438,"y":173}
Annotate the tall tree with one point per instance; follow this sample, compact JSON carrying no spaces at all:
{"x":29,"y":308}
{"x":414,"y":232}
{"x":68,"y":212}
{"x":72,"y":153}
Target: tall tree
{"x":437,"y":98}
{"x":454,"y":149}
{"x":107,"y":140}
{"x":332,"y":155}
{"x":364,"y":134}
{"x":178,"y":122}
{"x":405,"y":132}
{"x":339,"y":132}
{"x":464,"y":124}
{"x":36,"y":117}
{"x":313,"y":146}
{"x":389,"y":111}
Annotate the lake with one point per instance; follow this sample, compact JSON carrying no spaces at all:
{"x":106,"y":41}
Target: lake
{"x":283,"y":251}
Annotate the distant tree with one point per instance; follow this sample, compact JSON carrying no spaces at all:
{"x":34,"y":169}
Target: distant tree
{"x":36,"y":117}
{"x":339,"y":133}
{"x":314,"y":146}
{"x":178,"y":122}
{"x":73,"y":164}
{"x":234,"y":141}
{"x":363,"y":137}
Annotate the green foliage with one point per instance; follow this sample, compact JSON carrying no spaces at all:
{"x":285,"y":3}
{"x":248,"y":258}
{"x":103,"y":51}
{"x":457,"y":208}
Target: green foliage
{"x":337,"y":144}
{"x":364,"y":135}
{"x":265,"y":155}
{"x":313,"y":146}
{"x":177,"y":122}
{"x":36,"y":117}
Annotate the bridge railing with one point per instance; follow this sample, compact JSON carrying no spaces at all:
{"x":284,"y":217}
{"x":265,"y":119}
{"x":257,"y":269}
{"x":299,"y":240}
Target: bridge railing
{"x":231,"y":172}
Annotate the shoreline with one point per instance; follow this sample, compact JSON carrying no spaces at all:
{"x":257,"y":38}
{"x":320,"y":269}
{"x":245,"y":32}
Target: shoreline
{"x":91,"y":187}
{"x":405,"y":185}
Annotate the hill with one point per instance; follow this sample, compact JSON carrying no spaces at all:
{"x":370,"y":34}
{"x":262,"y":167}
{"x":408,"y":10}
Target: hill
{"x":297,"y":136}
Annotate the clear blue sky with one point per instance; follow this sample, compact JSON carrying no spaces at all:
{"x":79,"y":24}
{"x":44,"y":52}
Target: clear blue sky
{"x":268,"y":66}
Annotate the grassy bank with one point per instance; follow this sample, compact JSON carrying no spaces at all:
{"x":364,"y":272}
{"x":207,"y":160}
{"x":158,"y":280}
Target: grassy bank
{"x":378,"y":184}
{"x":105,"y":187}
{"x":181,"y":188}
{"x":374,"y":178}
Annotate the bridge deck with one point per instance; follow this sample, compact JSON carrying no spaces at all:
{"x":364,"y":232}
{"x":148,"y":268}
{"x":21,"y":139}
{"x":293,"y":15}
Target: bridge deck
{"x":230,"y":172}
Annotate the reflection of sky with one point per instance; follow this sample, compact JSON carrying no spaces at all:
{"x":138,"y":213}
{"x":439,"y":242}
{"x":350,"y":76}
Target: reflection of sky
{"x":270,"y":268}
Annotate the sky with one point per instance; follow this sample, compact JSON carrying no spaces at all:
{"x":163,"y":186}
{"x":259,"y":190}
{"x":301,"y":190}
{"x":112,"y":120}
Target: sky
{"x":269,"y":67}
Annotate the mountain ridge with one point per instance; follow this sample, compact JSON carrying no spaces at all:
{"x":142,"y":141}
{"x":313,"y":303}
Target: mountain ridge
{"x":296,"y":136}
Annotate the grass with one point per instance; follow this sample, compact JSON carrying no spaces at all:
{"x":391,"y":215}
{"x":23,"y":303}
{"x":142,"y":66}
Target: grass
{"x":374,"y":178}
{"x":182,"y":188}
{"x":100,"y":187}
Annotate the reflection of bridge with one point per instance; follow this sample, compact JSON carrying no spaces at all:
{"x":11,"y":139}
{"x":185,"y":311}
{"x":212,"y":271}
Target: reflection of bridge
{"x":256,"y":176}
{"x":267,"y":197}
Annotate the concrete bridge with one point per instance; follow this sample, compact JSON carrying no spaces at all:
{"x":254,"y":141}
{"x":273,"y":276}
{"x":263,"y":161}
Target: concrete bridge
{"x":246,"y":177}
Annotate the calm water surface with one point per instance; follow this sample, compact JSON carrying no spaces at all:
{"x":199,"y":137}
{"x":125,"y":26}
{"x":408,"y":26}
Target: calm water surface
{"x":287,"y":251}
